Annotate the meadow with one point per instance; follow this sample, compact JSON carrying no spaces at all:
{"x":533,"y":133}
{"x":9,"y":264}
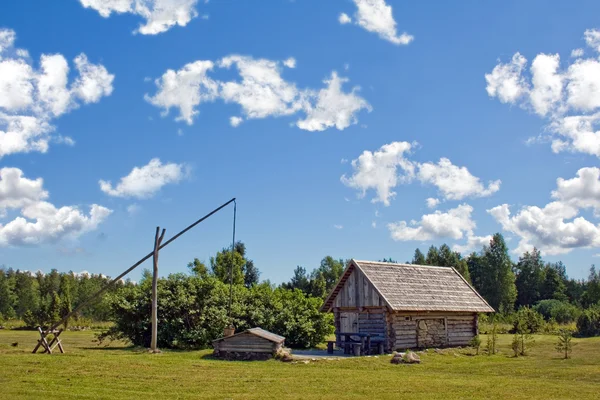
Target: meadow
{"x":89,"y":371}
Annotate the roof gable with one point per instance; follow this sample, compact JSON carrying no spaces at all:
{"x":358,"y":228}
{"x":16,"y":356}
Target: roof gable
{"x":408,"y":287}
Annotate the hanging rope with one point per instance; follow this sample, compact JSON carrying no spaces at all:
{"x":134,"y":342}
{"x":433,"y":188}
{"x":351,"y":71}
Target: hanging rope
{"x":232,"y":263}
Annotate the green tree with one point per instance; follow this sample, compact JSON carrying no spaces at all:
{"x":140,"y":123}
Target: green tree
{"x":27,"y":294}
{"x":418,"y":258}
{"x":554,"y":286}
{"x":529,"y":278}
{"x":251,"y":274}
{"x":7,"y":297}
{"x":223,"y":264}
{"x":300,"y":280}
{"x":498,"y":279}
{"x":66,"y":295}
{"x":330,"y":270}
{"x":565,"y":342}
{"x":198,"y":268}
{"x":433,"y":257}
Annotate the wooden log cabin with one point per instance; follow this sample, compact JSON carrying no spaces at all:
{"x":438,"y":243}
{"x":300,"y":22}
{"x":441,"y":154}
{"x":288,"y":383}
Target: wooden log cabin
{"x":251,"y":344}
{"x":410,"y":306}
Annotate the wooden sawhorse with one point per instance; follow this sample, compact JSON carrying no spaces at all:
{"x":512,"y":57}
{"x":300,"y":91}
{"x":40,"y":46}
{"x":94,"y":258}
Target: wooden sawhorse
{"x":43,"y":342}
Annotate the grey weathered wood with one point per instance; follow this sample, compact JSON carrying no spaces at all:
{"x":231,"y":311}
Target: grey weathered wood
{"x":157,"y":241}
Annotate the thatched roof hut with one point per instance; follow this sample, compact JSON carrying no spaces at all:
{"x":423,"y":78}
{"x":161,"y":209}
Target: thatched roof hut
{"x":408,"y":305}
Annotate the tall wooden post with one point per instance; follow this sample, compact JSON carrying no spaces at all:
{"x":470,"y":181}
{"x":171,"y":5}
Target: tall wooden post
{"x":157,"y":242}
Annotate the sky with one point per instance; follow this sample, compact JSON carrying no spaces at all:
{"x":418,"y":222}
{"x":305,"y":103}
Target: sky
{"x":352,"y":128}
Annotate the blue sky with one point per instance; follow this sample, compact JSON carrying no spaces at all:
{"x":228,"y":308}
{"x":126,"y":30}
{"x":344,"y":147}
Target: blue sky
{"x":425,"y":98}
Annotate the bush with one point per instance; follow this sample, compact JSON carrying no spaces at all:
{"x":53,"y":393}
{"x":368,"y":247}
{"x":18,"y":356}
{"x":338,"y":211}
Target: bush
{"x":193,"y":311}
{"x":527,"y":319}
{"x":562,"y":312}
{"x":588,"y":323}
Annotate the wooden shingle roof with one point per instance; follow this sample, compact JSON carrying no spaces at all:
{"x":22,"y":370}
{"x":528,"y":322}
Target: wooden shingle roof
{"x":409,"y":287}
{"x":257,"y":332}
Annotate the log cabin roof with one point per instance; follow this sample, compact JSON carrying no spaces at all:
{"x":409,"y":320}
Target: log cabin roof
{"x":410,"y":287}
{"x":257,"y":332}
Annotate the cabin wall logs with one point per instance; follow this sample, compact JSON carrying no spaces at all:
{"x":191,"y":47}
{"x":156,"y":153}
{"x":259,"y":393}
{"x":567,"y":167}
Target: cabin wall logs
{"x":430,"y":329}
{"x":245,"y":347}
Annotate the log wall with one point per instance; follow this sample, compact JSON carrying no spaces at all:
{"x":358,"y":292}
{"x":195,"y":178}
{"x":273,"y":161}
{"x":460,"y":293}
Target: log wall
{"x":411,"y":330}
{"x":372,"y":321}
{"x":245,"y":342}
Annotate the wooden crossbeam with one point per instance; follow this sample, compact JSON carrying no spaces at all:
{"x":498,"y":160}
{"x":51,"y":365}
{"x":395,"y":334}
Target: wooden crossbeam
{"x":43,"y":341}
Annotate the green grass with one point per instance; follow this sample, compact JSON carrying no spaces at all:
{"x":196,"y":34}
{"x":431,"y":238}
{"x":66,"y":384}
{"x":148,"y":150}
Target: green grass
{"x":118,"y":372}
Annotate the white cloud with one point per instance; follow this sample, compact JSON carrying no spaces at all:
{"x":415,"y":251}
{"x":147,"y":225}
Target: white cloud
{"x":379,"y":171}
{"x":16,"y":191}
{"x":290,"y":62}
{"x":557,"y":227}
{"x":583,"y":191}
{"x":339,"y":227}
{"x":39,"y":221}
{"x":455,"y":183}
{"x":374,"y":224}
{"x":388,"y":167}
{"x":334,"y":107}
{"x":236,"y":121}
{"x":376,"y":16}
{"x":592,"y":38}
{"x":30,"y":99}
{"x":185,"y":89}
{"x":576,"y":53}
{"x":262,"y":92}
{"x":432,"y":203}
{"x":547,"y":83}
{"x":456,"y":223}
{"x":473,"y":243}
{"x":344,"y":19}
{"x":505,"y":80}
{"x":159,"y":15}
{"x":144,"y":182}
{"x":569,"y":98}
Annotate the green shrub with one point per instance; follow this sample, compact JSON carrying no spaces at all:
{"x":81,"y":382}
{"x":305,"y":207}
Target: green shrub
{"x":193,"y":311}
{"x":527,"y":319}
{"x":588,"y":323}
{"x":562,"y":312}
{"x":565,"y":342}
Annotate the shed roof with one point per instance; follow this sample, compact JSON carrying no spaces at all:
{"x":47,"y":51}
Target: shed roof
{"x":409,"y":287}
{"x":257,"y":332}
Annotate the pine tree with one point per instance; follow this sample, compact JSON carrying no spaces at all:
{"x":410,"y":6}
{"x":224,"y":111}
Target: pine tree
{"x":498,"y":279}
{"x":419,"y":258}
{"x":565,"y":342}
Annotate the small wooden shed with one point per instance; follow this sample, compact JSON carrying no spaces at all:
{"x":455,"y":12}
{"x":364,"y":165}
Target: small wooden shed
{"x":409,"y":305}
{"x":251,"y":344}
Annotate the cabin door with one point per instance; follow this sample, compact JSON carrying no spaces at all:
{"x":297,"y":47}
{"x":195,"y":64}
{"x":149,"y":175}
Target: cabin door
{"x":349,"y":322}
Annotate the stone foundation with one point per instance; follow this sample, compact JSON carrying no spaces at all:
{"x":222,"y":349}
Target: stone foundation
{"x":242,"y":356}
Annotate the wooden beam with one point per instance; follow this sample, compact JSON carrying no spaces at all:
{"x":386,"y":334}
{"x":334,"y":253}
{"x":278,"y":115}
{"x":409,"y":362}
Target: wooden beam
{"x":157,"y":242}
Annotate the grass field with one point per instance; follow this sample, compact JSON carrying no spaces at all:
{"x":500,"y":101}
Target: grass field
{"x":117,"y":372}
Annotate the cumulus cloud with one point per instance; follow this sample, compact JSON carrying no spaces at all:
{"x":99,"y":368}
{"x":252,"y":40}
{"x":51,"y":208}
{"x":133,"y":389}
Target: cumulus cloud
{"x":568,"y":98}
{"x":334,"y":107}
{"x":144,"y":182}
{"x":376,"y":16}
{"x":381,"y":171}
{"x":582,"y":191}
{"x":388,"y":167}
{"x":557,"y":227}
{"x":432,"y":202}
{"x":260,"y":92}
{"x":31,"y":98}
{"x":456,"y":223}
{"x":473,"y":243}
{"x":39,"y":221}
{"x":453,"y":182}
{"x":185,"y":89}
{"x":159,"y":15}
